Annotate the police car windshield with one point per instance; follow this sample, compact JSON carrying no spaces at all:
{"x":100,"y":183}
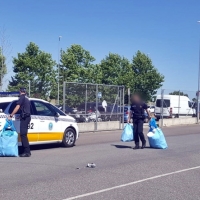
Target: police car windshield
{"x":4,"y":105}
{"x":57,"y":110}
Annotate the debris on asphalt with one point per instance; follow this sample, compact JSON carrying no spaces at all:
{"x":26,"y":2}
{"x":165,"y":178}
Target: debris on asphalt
{"x":91,"y":165}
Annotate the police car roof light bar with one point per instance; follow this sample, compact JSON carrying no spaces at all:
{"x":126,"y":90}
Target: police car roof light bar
{"x":9,"y":94}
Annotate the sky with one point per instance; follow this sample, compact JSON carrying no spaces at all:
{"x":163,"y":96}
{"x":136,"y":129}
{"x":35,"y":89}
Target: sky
{"x":165,"y":30}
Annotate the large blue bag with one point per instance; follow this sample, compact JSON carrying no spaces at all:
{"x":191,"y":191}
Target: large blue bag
{"x":9,"y":140}
{"x":157,"y":139}
{"x":127,"y":134}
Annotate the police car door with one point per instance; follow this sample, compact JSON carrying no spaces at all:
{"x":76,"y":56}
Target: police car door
{"x":48,"y":125}
{"x":32,"y":128}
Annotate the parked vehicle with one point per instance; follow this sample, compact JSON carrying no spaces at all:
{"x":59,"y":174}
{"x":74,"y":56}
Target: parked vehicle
{"x":68,"y":110}
{"x":86,"y":112}
{"x":48,"y":123}
{"x":151,"y":109}
{"x":173,"y":106}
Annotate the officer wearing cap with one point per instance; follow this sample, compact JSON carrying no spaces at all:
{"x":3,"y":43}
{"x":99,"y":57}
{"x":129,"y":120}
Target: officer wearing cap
{"x":137,"y":113}
{"x":25,"y":117}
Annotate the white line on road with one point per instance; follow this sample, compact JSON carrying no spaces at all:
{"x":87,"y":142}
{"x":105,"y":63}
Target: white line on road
{"x":131,"y":183}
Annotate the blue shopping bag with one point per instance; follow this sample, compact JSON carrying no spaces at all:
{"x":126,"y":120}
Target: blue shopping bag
{"x":127,"y":134}
{"x":157,"y":139}
{"x":9,"y":140}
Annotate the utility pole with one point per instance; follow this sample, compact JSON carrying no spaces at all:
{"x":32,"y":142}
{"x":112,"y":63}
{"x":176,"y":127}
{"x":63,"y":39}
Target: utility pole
{"x":59,"y":70}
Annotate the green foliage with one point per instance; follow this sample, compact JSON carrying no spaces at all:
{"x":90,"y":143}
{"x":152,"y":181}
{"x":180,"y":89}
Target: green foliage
{"x":146,"y":76}
{"x":77,"y":65}
{"x":3,"y":69}
{"x":117,"y":70}
{"x":178,"y":93}
{"x":35,"y":66}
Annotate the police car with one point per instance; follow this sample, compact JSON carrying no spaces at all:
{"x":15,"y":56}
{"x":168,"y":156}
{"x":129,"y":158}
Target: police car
{"x":48,"y":123}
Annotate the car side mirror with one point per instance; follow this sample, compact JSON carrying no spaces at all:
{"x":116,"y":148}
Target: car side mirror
{"x":57,"y":114}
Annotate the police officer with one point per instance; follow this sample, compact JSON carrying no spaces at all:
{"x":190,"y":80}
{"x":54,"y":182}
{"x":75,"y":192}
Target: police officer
{"x":137,"y":113}
{"x":25,"y":117}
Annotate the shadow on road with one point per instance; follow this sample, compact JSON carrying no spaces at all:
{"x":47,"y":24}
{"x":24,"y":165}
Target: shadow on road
{"x":121,"y":146}
{"x":42,"y":147}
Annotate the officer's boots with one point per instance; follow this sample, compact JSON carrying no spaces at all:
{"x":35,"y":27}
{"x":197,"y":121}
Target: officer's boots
{"x":143,"y":145}
{"x":136,"y":146}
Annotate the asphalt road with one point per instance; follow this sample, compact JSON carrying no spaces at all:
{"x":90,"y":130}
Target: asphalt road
{"x":54,"y":173}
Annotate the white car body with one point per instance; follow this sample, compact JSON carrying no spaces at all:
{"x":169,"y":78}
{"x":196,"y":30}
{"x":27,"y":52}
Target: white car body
{"x":43,"y":129}
{"x":173,"y":105}
{"x":151,"y":109}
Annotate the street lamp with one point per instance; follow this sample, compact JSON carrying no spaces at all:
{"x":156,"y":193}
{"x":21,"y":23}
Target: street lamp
{"x":198,"y":83}
{"x":59,"y":38}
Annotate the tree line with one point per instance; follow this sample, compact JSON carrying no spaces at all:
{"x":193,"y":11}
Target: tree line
{"x":78,"y":65}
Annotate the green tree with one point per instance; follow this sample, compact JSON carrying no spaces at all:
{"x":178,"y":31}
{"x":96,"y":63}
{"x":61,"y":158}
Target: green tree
{"x":116,"y":70}
{"x":37,"y":67}
{"x":77,"y":66}
{"x":146,"y":76}
{"x":3,"y":69}
{"x":178,"y":93}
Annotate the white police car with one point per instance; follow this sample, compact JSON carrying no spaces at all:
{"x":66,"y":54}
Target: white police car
{"x":48,"y":123}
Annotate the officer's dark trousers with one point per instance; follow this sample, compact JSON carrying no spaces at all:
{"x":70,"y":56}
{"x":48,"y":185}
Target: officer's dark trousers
{"x":138,"y":131}
{"x":23,"y":133}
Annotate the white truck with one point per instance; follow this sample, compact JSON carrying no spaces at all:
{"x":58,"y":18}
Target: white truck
{"x":173,"y":106}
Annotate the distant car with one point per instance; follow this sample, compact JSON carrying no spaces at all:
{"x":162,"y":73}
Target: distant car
{"x":68,"y":110}
{"x":86,"y":112}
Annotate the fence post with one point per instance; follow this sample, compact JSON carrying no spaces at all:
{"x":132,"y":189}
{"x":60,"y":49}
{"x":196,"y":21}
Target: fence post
{"x":122,"y":110}
{"x":96,"y":126}
{"x":85,"y":99}
{"x":120,"y":98}
{"x":64,"y":91}
{"x":162,"y":96}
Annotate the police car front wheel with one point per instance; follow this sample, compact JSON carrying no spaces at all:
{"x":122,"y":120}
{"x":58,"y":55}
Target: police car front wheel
{"x":69,"y":138}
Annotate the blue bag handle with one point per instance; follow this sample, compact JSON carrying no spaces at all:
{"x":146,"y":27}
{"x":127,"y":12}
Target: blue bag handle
{"x":9,"y":125}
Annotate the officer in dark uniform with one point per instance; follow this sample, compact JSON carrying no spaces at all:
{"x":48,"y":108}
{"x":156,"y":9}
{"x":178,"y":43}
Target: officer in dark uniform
{"x":25,"y":117}
{"x":137,"y":113}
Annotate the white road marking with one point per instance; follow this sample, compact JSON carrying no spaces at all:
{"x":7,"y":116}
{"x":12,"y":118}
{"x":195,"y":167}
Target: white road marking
{"x":131,"y":183}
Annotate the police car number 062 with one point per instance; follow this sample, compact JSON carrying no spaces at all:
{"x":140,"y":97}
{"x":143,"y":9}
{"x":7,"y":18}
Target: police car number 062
{"x":31,"y":126}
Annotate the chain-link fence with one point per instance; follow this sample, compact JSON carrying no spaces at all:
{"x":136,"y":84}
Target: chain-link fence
{"x":175,"y":104}
{"x":88,"y":103}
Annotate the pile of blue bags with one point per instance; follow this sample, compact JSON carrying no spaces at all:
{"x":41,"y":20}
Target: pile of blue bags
{"x":155,"y":136}
{"x":127,"y":134}
{"x":9,"y":140}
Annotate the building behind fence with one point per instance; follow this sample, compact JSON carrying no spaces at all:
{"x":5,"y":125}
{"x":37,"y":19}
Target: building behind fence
{"x":94,"y":105}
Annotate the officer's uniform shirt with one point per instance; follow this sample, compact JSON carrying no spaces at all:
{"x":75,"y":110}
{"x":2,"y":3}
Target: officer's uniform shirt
{"x":24,"y":104}
{"x":138,"y":109}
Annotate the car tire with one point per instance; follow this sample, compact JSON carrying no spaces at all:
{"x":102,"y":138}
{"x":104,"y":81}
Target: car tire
{"x":69,"y":138}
